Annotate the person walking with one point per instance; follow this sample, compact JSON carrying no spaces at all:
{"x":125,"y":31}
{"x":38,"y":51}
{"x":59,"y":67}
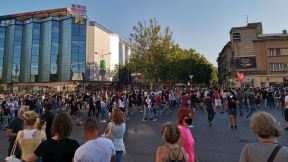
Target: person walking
{"x":118,"y":128}
{"x":251,"y":103}
{"x":210,"y":107}
{"x":266,"y":129}
{"x":186,"y":139}
{"x":96,"y":149}
{"x":232,"y":110}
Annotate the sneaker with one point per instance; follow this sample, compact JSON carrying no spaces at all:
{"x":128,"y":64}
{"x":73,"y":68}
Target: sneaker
{"x":286,"y":128}
{"x":155,"y":120}
{"x":231,"y":126}
{"x":222,"y":112}
{"x":151,"y":118}
{"x":235,"y":126}
{"x":103,"y":121}
{"x":143,"y":120}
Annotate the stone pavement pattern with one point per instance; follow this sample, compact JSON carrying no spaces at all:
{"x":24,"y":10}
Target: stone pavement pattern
{"x":217,"y":143}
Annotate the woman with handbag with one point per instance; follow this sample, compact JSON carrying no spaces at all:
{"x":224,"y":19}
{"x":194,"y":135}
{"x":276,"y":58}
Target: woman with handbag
{"x":267,"y":149}
{"x":59,"y":148}
{"x":115,"y":131}
{"x":30,"y":137}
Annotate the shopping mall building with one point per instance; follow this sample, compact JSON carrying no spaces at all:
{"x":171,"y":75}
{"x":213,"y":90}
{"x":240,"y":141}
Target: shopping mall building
{"x":57,"y":49}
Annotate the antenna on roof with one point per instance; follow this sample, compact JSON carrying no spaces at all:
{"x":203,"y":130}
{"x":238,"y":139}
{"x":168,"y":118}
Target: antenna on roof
{"x":246,"y":17}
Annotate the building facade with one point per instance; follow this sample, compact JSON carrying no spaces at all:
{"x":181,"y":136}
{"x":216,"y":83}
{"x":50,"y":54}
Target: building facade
{"x":261,"y":57}
{"x":272,"y":59}
{"x":55,"y":46}
{"x":49,"y":48}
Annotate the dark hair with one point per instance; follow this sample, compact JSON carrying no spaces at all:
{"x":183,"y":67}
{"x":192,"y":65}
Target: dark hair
{"x":48,"y":106}
{"x":62,"y":125}
{"x":90,"y":125}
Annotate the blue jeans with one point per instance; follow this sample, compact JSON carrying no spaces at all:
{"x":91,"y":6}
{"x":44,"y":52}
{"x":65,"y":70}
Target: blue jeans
{"x":211,"y":114}
{"x":119,"y":156}
{"x":252,"y":109}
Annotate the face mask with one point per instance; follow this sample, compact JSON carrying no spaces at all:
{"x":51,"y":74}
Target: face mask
{"x":188,"y":121}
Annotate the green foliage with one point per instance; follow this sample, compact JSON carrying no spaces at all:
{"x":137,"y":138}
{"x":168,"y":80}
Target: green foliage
{"x":157,"y":57}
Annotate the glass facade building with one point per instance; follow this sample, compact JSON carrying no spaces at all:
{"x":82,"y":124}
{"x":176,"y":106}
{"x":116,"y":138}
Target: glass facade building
{"x":42,"y":49}
{"x":2,"y":43}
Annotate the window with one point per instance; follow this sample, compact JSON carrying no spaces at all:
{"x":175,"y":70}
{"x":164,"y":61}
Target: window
{"x":53,"y":69}
{"x":36,"y":31}
{"x":74,"y":56}
{"x":277,"y":67}
{"x":273,"y":51}
{"x":83,"y":30}
{"x":34,"y":69}
{"x":81,"y":66}
{"x":75,"y":30}
{"x":18,"y":33}
{"x":35,"y":58}
{"x":2,"y":33}
{"x":236,"y":36}
{"x":54,"y":58}
{"x":284,"y":51}
{"x":82,"y":56}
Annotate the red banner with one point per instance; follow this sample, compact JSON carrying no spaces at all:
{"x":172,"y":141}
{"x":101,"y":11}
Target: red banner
{"x":240,"y":76}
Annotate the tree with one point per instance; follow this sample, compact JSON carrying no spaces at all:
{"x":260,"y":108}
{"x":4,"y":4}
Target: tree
{"x":150,"y":45}
{"x":157,"y":57}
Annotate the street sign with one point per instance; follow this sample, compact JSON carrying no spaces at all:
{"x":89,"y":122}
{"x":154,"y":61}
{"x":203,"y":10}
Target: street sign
{"x":191,"y":76}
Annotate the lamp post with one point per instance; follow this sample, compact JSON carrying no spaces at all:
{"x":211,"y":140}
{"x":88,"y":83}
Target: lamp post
{"x":191,"y":77}
{"x":103,"y":64}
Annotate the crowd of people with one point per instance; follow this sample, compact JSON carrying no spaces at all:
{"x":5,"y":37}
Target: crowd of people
{"x":39,"y":125}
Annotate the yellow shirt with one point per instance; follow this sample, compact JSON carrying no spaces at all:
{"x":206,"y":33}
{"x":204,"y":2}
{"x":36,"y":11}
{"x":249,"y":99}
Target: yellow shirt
{"x":28,"y":145}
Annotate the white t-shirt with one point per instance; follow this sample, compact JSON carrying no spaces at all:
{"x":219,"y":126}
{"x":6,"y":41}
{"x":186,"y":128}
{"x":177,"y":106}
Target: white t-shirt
{"x":97,"y":150}
{"x":286,"y":100}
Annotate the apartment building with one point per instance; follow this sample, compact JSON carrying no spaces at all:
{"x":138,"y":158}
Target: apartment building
{"x":261,"y":57}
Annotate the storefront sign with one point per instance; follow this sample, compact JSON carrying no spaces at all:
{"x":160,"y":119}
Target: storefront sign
{"x":245,"y":63}
{"x":77,"y":76}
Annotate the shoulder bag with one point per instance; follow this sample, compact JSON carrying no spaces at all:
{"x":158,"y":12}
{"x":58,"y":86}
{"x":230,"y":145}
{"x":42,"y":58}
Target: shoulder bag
{"x":108,"y":134}
{"x":12,"y":157}
{"x":274,"y":153}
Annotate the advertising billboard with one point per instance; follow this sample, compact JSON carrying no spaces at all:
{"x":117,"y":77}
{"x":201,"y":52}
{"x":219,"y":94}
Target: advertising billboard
{"x":78,"y":9}
{"x":245,"y":63}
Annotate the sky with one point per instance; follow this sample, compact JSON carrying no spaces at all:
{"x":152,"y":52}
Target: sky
{"x":200,"y":24}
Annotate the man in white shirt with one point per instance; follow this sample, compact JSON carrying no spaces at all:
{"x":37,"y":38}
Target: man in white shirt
{"x":96,"y":149}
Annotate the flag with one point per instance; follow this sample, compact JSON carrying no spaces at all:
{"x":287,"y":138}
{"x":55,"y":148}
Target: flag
{"x":240,"y":76}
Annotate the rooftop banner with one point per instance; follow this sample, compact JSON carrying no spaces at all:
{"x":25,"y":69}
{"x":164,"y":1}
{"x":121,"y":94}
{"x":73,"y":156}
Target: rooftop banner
{"x":78,"y":10}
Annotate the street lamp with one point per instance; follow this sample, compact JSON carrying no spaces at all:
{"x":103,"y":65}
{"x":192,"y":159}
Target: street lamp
{"x":103,"y":64}
{"x":191,"y":77}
